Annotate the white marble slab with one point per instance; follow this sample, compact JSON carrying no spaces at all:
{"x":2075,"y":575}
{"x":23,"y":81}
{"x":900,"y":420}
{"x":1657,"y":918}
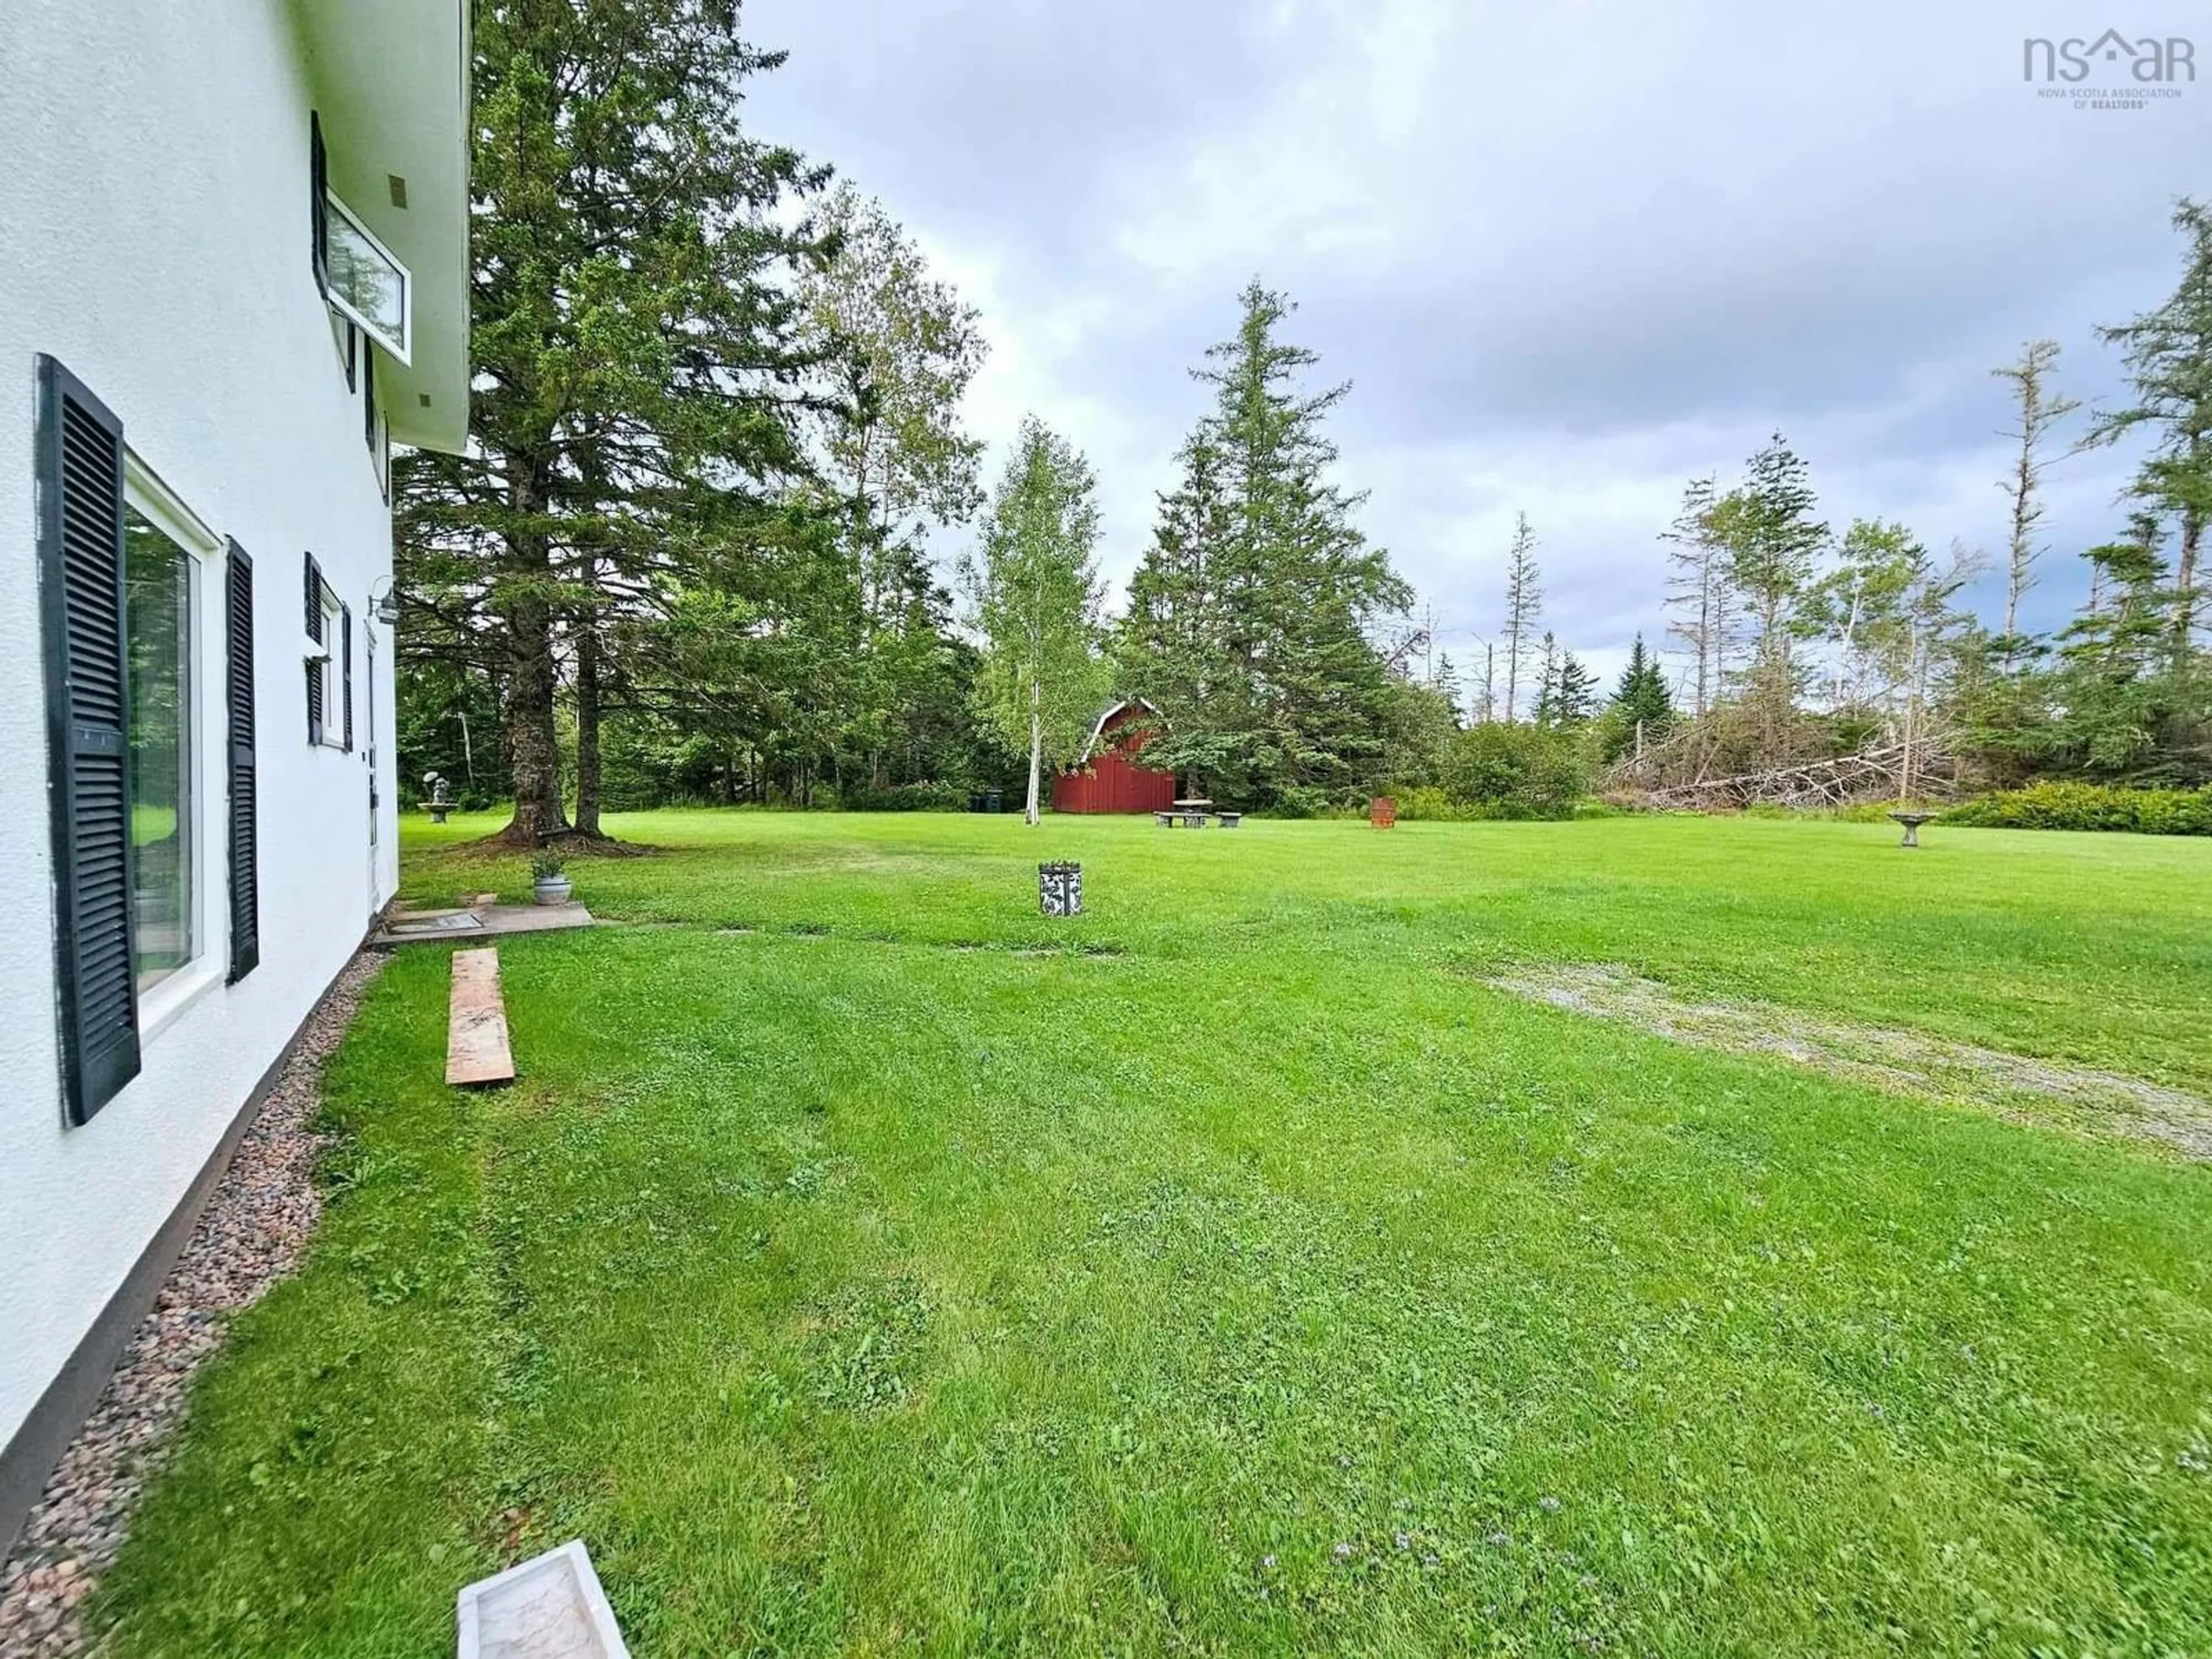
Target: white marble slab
{"x":551,"y":1607}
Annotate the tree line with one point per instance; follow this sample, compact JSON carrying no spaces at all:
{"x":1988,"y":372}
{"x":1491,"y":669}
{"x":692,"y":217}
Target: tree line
{"x":1794,"y":645}
{"x":717,"y":428}
{"x":715,"y":415}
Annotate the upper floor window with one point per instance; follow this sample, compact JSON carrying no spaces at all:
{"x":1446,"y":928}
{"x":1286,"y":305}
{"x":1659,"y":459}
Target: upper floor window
{"x":362,"y":279}
{"x":367,"y":282}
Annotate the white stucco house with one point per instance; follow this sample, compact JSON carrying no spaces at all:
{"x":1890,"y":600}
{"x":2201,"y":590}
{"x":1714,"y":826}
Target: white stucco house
{"x":233,"y":247}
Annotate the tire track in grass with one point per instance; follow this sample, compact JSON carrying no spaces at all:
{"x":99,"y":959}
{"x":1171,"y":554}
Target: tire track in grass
{"x":1898,"y":1061}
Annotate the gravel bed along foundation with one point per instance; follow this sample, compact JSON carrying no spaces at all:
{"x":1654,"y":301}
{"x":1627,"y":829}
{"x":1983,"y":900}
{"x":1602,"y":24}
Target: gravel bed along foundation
{"x":251,"y":1232}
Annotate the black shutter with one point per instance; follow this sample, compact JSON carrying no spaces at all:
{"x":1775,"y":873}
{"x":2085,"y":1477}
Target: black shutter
{"x":245,"y":866}
{"x":82,"y":604}
{"x":314,"y":633}
{"x":318,"y":183}
{"x":345,"y":670}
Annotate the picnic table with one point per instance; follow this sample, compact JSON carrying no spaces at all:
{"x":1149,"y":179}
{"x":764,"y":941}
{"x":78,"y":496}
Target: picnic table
{"x":1193,"y":814}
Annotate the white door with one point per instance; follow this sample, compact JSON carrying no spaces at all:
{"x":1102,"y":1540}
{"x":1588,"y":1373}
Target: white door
{"x":375,"y":898}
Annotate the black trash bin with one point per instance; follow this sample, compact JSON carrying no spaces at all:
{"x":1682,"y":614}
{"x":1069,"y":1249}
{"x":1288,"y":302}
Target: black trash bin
{"x":975,"y":801}
{"x":995,"y":801}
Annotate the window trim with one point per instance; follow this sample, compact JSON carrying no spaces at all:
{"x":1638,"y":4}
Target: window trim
{"x":345,"y":339}
{"x":402,"y":348}
{"x":319,"y":185}
{"x":324,"y":654}
{"x":161,"y":1004}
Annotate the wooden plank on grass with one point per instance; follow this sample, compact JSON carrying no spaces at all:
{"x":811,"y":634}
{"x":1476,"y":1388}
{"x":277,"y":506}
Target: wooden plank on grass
{"x":475,"y":1023}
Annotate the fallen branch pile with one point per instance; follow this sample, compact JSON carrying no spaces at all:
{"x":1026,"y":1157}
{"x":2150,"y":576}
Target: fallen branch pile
{"x":1888,"y":771}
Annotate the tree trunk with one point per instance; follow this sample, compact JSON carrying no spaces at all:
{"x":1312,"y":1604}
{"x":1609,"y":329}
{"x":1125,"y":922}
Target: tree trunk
{"x":2185,"y":583}
{"x":527,"y":710}
{"x":1037,"y":754}
{"x":587,"y":730}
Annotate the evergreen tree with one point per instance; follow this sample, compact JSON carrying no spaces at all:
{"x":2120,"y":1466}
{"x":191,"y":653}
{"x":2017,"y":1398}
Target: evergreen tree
{"x":1640,"y":697}
{"x":2169,"y":353}
{"x":1524,"y":608}
{"x":1038,"y":600}
{"x":2120,"y":632}
{"x":1172,"y":648}
{"x":1574,"y":691}
{"x":1444,"y":682}
{"x":1249,"y":615}
{"x":1547,"y":711}
{"x":633,"y":334}
{"x":1771,"y":541}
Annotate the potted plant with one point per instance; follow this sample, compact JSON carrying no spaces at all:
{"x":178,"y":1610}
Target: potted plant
{"x":549,"y":885}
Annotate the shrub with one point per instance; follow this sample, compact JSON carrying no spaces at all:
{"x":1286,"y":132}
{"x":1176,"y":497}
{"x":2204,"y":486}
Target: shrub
{"x":1428,"y":802}
{"x":906,"y":797}
{"x":2060,"y":805}
{"x":1299,"y":800}
{"x":1494,"y":771}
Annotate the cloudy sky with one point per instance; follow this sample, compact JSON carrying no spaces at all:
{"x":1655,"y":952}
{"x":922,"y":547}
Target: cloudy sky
{"x":1568,"y":255}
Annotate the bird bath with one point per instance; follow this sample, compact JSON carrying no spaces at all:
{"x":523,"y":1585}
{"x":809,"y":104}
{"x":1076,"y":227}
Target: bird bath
{"x":1911,"y":821}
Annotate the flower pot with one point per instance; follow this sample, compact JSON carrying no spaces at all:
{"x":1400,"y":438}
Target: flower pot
{"x":550,"y":890}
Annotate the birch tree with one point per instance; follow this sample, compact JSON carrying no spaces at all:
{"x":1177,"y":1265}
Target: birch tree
{"x":1038,"y":603}
{"x":900,"y":347}
{"x":903,"y":347}
{"x":1698,"y":591}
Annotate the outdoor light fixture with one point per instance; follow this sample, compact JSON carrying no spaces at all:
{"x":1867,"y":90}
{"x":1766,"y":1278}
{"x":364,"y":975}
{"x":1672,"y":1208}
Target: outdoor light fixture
{"x":384,"y":606}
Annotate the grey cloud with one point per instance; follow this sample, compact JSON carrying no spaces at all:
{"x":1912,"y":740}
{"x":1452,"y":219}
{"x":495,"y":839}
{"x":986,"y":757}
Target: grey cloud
{"x":1567,"y":256}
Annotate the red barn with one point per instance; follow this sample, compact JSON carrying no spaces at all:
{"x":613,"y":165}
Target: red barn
{"x":1110,"y":778}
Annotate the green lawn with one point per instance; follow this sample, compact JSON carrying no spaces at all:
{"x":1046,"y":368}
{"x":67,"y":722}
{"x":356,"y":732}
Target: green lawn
{"x":1233,"y":1270}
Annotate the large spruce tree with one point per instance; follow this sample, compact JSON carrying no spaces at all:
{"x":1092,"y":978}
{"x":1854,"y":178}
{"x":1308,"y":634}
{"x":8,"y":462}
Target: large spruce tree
{"x":1641,"y":708}
{"x":635,"y":342}
{"x":2168,"y":352}
{"x":1249,"y":616}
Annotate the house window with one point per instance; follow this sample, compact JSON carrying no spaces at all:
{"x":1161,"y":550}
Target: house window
{"x":375,"y":429}
{"x":160,"y":579}
{"x":328,"y":695}
{"x":129,"y":656}
{"x":365,"y":282}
